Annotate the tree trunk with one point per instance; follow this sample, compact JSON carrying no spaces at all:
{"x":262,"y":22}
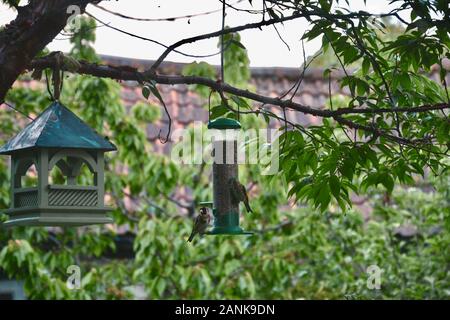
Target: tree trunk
{"x":35,"y":26}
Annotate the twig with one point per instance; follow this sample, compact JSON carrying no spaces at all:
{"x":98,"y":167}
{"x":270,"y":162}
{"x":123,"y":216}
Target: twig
{"x":275,"y":228}
{"x":167,"y":138}
{"x":17,"y":110}
{"x":148,"y":201}
{"x":188,"y":16}
{"x":175,"y":201}
{"x":216,"y":34}
{"x":281,"y":38}
{"x":123,"y":208}
{"x":219,"y":86}
{"x":150,"y":40}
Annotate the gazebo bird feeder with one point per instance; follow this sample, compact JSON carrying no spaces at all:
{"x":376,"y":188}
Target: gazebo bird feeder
{"x":225,"y":168}
{"x":57,"y":138}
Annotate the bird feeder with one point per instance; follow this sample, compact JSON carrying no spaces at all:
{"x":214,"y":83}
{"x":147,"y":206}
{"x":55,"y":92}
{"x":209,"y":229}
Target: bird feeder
{"x":57,"y":138}
{"x":225,"y":168}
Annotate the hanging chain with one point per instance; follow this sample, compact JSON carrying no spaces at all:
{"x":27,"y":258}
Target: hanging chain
{"x":57,"y":77}
{"x":222,"y":49}
{"x":209,"y":105}
{"x":222,"y":73}
{"x":48,"y":86}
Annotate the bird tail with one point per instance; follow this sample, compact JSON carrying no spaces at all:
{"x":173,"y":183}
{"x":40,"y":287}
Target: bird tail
{"x":247,"y":206}
{"x":191,"y":236}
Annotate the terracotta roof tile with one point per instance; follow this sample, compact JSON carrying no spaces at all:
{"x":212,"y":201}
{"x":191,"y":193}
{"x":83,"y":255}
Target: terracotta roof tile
{"x":152,"y":131}
{"x":186,"y":114}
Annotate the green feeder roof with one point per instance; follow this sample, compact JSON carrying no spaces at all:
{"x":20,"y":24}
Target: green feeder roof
{"x":57,"y":127}
{"x":224,"y":123}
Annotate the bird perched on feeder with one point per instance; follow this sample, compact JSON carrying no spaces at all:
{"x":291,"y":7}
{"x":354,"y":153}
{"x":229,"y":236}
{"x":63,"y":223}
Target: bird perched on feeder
{"x":239,"y":193}
{"x":201,"y":223}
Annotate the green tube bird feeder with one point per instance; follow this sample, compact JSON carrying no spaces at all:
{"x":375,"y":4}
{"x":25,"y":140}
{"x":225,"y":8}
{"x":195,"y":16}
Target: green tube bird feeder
{"x":225,"y":168}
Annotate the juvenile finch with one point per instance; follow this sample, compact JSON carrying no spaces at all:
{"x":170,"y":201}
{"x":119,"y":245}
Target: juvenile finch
{"x":239,"y":193}
{"x":201,"y":223}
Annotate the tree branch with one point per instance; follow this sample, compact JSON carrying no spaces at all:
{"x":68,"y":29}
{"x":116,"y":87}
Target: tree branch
{"x":217,"y":34}
{"x":35,"y":26}
{"x":130,"y":74}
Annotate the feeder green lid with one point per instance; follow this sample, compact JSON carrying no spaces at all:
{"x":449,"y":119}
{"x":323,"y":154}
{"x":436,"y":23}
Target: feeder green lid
{"x":57,"y":127}
{"x":224,"y":123}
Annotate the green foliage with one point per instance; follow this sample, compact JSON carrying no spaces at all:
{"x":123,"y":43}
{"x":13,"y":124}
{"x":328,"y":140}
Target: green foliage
{"x":319,"y":249}
{"x":316,"y":256}
{"x":145,"y":113}
{"x":201,"y":69}
{"x":235,"y":58}
{"x":82,"y":40}
{"x":389,"y":61}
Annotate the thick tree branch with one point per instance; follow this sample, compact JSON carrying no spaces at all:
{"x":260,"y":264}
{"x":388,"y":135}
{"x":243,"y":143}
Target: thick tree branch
{"x":126,"y":73}
{"x":35,"y":26}
{"x":130,"y":74}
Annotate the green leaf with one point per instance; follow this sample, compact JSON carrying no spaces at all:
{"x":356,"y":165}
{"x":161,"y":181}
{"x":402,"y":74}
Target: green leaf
{"x":240,"y":102}
{"x":405,"y":81}
{"x":372,"y":155}
{"x":272,"y":13}
{"x":155,"y":91}
{"x":365,"y":66}
{"x":326,"y":4}
{"x":237,"y":43}
{"x":347,"y":168}
{"x":324,"y":198}
{"x":146,"y":91}
{"x":362,"y":87}
{"x":387,"y":181}
{"x":161,"y":286}
{"x":335,"y":186}
{"x":218,"y":111}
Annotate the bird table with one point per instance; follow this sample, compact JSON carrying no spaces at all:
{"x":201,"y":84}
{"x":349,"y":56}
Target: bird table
{"x":57,"y":138}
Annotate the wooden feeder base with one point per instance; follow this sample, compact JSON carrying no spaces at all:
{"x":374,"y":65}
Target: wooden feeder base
{"x":57,"y":216}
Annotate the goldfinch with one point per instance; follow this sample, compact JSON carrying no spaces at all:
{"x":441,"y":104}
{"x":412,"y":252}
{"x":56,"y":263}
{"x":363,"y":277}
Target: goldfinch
{"x":239,"y":193}
{"x":201,"y":223}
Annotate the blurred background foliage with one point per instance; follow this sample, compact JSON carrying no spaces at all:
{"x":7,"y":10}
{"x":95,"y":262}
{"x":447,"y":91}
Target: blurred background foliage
{"x":296,"y":253}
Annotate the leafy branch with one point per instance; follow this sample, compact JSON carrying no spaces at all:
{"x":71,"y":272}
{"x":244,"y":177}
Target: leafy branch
{"x":126,"y":73}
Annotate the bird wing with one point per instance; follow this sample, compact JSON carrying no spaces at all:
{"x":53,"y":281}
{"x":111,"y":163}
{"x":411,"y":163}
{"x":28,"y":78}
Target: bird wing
{"x":243,"y":192}
{"x":234,"y":190}
{"x":197,"y":223}
{"x":195,"y":228}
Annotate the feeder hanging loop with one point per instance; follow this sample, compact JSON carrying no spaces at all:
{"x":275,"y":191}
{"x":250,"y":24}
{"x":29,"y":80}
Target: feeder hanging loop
{"x":57,"y":76}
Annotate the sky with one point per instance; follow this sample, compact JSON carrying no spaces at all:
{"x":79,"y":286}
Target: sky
{"x":265,"y":48}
